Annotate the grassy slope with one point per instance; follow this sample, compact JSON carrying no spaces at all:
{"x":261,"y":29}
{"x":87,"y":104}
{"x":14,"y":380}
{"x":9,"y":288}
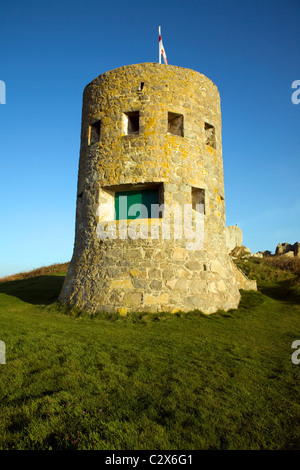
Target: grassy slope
{"x":224,"y":381}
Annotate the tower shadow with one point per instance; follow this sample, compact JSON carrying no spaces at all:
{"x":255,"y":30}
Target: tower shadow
{"x":39,"y":290}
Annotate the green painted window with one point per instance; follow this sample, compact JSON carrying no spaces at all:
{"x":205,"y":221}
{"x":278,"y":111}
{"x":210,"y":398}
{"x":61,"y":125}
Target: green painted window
{"x":137,"y":204}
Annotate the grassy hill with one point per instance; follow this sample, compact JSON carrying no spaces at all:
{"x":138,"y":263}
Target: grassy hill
{"x":150,"y":381}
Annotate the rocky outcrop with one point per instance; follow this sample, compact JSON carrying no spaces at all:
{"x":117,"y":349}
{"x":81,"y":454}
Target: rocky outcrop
{"x":266,"y":253}
{"x":287,"y":249}
{"x":240,"y":251}
{"x":234,"y":237}
{"x":296,"y":249}
{"x":289,"y":254}
{"x":282,"y":248}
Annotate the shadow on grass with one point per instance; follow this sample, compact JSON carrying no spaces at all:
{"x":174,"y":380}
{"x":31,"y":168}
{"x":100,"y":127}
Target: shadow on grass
{"x":285,"y":291}
{"x":39,"y":290}
{"x":44,"y":290}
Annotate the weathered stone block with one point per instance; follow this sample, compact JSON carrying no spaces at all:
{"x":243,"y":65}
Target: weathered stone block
{"x":132,"y":299}
{"x":121,"y":284}
{"x":217,"y":267}
{"x":167,"y":273}
{"x":154,"y":274}
{"x":179,"y":253}
{"x":122,"y":311}
{"x":181,"y":285}
{"x":150,"y":299}
{"x":194,"y":265}
{"x":156,"y":285}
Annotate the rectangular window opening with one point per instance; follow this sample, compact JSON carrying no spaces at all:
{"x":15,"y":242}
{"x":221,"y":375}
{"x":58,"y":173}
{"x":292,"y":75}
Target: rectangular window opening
{"x":210,"y":135}
{"x":175,"y":124}
{"x":198,"y":200}
{"x":142,"y":203}
{"x":132,"y":122}
{"x":94,"y":132}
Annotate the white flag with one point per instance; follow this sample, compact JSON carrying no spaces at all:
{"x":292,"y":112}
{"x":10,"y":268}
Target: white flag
{"x":161,"y":48}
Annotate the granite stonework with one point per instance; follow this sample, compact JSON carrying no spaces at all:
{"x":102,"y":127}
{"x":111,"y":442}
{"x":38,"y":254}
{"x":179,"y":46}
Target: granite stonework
{"x":137,"y":267}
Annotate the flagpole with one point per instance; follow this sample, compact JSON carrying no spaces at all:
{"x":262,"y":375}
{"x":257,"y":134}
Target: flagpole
{"x":159,"y":54}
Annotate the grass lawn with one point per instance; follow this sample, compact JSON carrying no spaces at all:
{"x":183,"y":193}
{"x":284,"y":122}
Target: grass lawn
{"x":160,"y":381}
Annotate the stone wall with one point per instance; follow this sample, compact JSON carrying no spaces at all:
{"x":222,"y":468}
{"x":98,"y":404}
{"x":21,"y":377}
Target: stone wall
{"x":242,"y":280}
{"x":150,"y":274}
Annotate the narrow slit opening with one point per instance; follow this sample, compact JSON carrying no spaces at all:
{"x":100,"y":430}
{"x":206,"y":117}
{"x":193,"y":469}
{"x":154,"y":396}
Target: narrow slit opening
{"x":94,"y":132}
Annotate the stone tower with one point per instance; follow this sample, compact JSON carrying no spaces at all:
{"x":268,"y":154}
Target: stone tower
{"x":150,"y":147}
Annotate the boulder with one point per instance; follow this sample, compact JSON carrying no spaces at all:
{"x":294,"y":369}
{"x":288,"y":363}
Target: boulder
{"x":240,"y":251}
{"x":234,"y":237}
{"x":296,"y":249}
{"x":266,"y":253}
{"x":282,"y":248}
{"x":289,"y":254}
{"x":257,"y":255}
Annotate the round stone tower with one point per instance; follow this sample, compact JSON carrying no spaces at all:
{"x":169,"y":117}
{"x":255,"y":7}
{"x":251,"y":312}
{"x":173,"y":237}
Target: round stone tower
{"x":150,"y":219}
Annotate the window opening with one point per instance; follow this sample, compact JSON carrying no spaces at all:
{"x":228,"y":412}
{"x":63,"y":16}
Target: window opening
{"x":132,"y":120}
{"x":137,"y":204}
{"x":198,"y":200}
{"x":210,"y":135}
{"x":175,"y":124}
{"x":94,"y":132}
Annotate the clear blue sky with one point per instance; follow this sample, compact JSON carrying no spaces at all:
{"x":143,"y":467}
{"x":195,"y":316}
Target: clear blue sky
{"x":49,"y":51}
